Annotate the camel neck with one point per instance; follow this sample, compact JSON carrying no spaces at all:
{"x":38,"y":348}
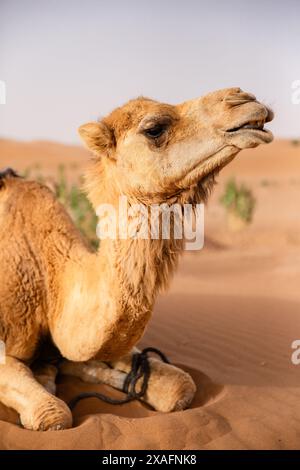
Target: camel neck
{"x":141,"y":268}
{"x":110,"y":296}
{"x":138,"y":270}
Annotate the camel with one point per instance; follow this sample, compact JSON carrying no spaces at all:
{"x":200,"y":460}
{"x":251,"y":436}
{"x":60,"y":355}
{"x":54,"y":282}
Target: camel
{"x":93,"y":307}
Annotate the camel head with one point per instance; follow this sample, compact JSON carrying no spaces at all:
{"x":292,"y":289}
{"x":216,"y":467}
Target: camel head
{"x":155,"y":152}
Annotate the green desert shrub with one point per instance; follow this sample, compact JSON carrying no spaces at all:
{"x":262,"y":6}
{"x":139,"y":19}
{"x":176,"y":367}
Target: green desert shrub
{"x":238,"y":200}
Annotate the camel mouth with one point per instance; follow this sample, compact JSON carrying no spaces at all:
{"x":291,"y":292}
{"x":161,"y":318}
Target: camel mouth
{"x":255,"y":128}
{"x":252,"y":125}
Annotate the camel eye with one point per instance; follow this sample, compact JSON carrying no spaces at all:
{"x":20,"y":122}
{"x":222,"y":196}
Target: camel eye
{"x":155,"y":131}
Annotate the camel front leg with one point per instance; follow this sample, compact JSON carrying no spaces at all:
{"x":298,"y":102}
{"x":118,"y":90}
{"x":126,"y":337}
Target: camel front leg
{"x":39,"y":410}
{"x":169,"y":388}
{"x":93,"y":372}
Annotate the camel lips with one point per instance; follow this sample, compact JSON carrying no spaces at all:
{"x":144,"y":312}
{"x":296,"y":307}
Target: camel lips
{"x":254,"y":125}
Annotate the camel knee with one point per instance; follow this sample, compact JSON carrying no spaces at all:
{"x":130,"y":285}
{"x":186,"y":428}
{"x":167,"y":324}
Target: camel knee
{"x":38,"y":409}
{"x":169,"y":388}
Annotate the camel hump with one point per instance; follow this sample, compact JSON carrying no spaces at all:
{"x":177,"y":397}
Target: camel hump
{"x":7,"y":173}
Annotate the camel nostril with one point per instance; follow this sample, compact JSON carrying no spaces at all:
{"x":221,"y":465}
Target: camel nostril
{"x":234,"y":90}
{"x":237,"y":97}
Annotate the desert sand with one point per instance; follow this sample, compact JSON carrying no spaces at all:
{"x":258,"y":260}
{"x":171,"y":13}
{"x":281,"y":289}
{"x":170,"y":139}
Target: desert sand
{"x":229,"y":318}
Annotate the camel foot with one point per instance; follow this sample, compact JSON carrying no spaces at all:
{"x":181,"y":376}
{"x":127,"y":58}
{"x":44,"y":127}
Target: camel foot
{"x":52,"y":414}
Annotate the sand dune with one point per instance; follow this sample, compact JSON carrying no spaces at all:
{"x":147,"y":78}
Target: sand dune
{"x":229,"y":318}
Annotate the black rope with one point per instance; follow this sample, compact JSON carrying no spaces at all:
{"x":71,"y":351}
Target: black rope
{"x":140,"y":369}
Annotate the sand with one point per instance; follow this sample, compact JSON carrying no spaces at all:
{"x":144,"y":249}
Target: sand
{"x":229,"y":318}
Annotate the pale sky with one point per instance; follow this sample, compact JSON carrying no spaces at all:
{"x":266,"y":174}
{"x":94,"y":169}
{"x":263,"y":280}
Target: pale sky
{"x":66,"y":62}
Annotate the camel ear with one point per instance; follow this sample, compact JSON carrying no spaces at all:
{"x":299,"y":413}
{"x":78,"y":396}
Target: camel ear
{"x":98,"y":137}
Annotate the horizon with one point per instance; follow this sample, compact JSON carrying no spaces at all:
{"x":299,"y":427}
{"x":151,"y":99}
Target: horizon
{"x":78,"y":70}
